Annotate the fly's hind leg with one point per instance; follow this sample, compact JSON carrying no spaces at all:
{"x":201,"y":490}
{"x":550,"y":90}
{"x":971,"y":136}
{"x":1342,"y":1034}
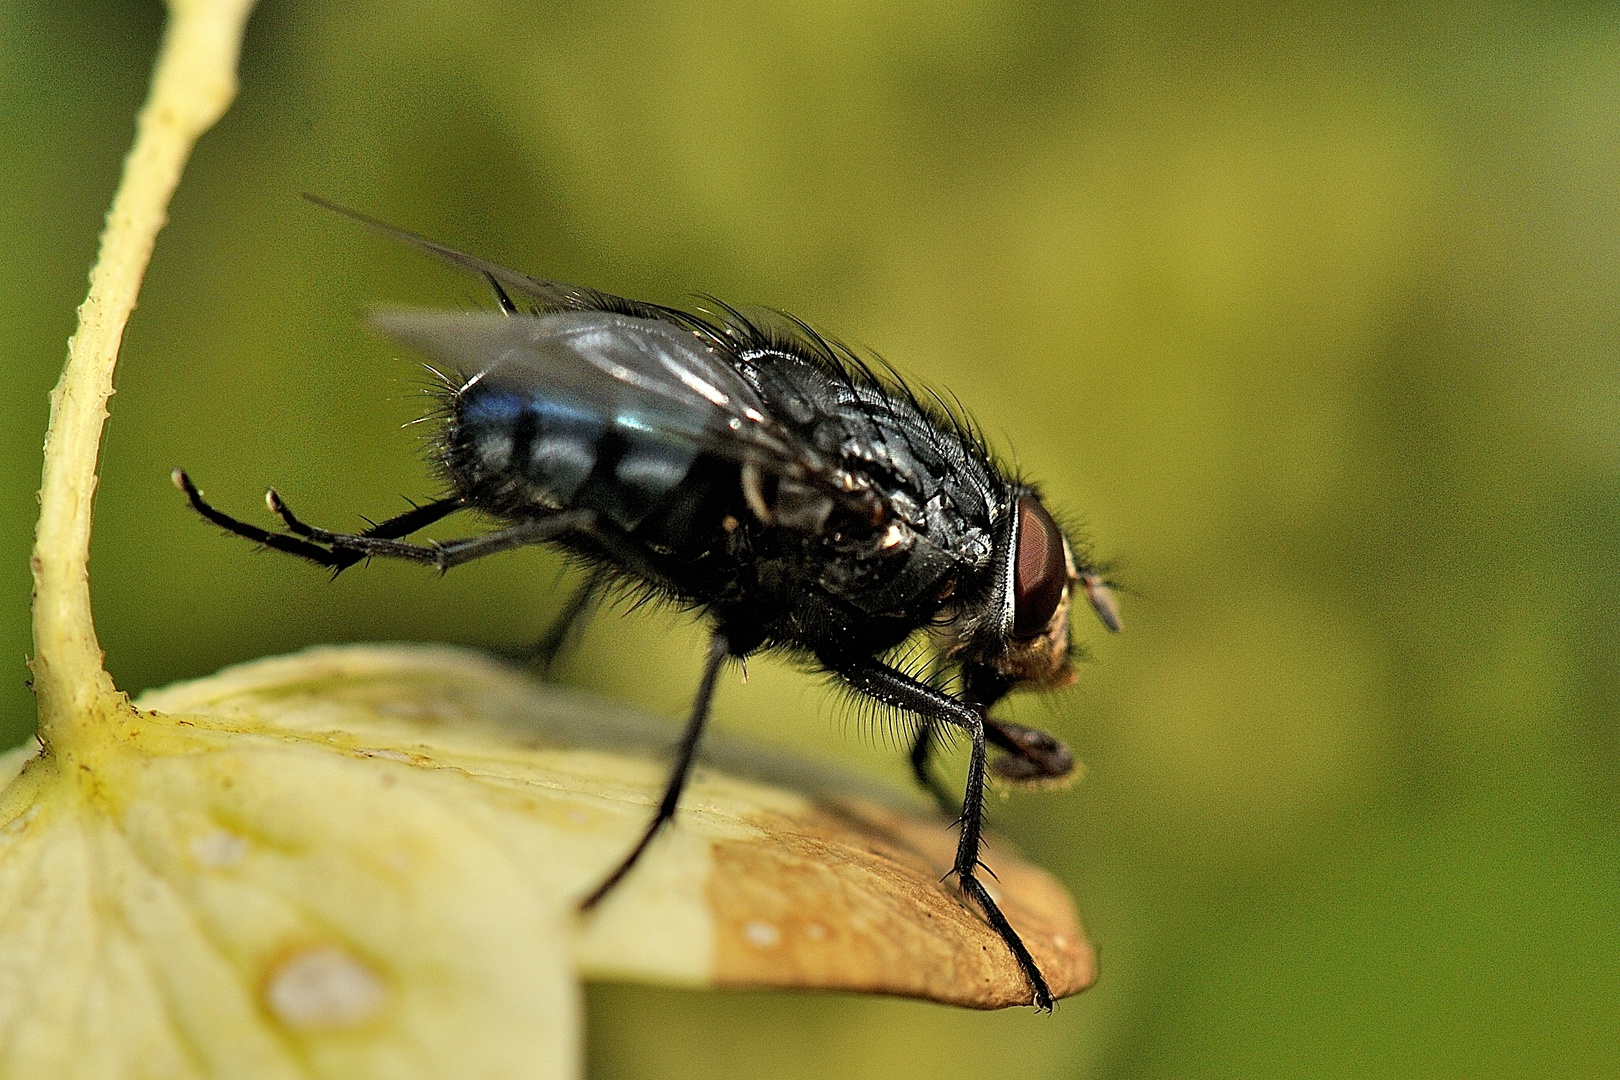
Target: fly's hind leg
{"x":566,"y":626}
{"x":397,"y":527}
{"x":299,"y":542}
{"x":339,"y":550}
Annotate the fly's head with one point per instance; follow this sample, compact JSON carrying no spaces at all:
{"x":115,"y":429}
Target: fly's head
{"x":1019,"y":635}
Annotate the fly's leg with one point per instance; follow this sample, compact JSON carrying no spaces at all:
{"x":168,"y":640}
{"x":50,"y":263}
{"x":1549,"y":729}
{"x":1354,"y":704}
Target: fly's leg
{"x":922,"y":751}
{"x":892,"y":687}
{"x":282,"y":542}
{"x":443,"y":554}
{"x":566,"y":626}
{"x":402,"y":525}
{"x":507,"y":307}
{"x":412,"y":520}
{"x":339,"y":550}
{"x":626,"y":552}
{"x":1032,"y":756}
{"x":719,"y":649}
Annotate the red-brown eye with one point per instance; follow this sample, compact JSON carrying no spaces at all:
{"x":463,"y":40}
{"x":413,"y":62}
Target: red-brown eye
{"x":1040,"y":571}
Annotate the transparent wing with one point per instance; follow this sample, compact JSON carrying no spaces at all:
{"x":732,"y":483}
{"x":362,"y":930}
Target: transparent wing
{"x":630,"y":364}
{"x":603,"y":363}
{"x":547,"y":295}
{"x":665,"y":389}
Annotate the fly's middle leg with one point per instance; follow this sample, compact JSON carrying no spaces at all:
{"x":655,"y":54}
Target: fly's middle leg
{"x":685,"y":753}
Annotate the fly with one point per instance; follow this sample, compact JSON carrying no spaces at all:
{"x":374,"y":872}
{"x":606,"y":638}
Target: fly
{"x":754,"y":471}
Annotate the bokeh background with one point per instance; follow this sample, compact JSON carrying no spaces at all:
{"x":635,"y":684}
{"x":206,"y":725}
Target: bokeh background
{"x":1308,"y":312}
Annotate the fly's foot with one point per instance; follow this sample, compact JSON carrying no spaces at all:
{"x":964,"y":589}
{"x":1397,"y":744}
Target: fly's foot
{"x":973,"y":887}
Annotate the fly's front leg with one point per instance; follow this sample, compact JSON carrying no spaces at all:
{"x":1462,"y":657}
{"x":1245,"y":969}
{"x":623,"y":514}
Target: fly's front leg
{"x":1032,"y":757}
{"x":922,"y":752}
{"x":892,"y":687}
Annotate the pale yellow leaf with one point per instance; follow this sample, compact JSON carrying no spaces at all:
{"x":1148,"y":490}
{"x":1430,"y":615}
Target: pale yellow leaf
{"x":364,"y":861}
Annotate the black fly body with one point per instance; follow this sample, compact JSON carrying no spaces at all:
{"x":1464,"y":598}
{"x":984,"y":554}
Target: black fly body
{"x":753,"y":471}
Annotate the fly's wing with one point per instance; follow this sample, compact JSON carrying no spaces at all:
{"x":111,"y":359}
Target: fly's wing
{"x":608,"y":363}
{"x":546,"y":295}
{"x":664,"y":379}
{"x":666,"y":393}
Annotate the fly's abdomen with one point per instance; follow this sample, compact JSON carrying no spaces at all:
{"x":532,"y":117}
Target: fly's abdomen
{"x":517,"y":452}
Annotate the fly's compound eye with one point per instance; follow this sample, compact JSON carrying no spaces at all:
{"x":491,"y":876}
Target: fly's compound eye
{"x":1040,"y":572}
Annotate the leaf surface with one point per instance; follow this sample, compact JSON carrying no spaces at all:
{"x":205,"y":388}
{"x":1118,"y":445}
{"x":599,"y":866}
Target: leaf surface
{"x":364,"y":861}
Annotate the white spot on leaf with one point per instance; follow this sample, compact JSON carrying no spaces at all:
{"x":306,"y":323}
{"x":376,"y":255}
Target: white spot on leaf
{"x":762,"y":934}
{"x":219,"y":847}
{"x":323,"y":987}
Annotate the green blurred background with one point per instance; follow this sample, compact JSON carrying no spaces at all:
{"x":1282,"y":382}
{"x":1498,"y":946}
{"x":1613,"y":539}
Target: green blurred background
{"x":1309,"y":313}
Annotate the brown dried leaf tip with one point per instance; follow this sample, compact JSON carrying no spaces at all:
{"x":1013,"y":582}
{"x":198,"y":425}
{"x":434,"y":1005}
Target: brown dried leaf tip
{"x":849,"y":897}
{"x":777,"y":873}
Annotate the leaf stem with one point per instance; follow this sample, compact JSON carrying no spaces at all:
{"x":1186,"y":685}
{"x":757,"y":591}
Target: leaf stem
{"x":192,"y":85}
